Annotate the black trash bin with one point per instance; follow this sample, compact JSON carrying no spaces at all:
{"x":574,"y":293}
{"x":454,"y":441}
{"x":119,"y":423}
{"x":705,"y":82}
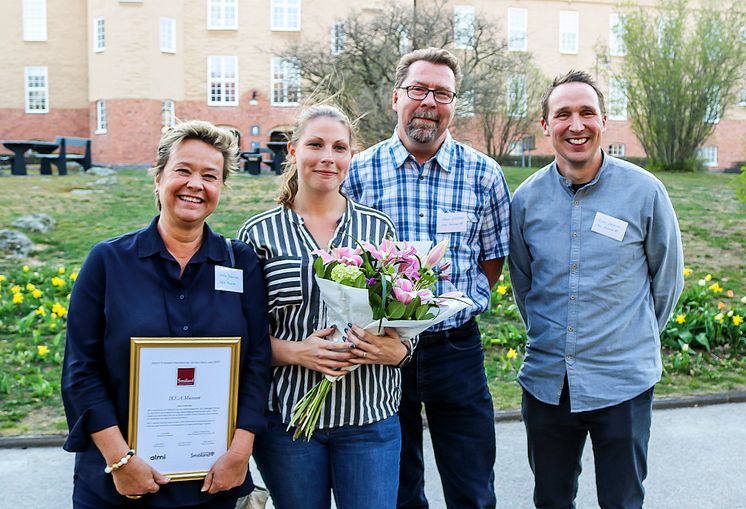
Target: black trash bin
{"x":280,"y":150}
{"x":252,"y":162}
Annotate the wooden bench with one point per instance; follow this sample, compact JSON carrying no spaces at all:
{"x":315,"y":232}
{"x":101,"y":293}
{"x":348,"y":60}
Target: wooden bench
{"x":62,"y":156}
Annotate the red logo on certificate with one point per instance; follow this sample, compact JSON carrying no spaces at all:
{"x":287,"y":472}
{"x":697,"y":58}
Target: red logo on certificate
{"x":184,"y":376}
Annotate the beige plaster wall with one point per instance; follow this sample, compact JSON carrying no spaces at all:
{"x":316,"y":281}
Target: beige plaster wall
{"x":63,"y":53}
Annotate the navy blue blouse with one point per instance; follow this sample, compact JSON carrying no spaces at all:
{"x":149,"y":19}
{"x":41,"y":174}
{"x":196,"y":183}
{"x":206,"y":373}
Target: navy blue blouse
{"x":130,"y":286}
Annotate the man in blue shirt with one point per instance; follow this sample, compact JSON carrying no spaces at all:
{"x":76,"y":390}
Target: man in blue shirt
{"x":435,"y":188}
{"x":597,"y":267}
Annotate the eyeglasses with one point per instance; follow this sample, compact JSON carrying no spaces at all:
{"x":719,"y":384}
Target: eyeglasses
{"x":420,"y":93}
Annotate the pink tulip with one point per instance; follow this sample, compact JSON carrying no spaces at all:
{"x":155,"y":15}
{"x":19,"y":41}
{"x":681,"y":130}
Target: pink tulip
{"x":436,"y":254}
{"x":325,"y":257}
{"x":348,"y":256}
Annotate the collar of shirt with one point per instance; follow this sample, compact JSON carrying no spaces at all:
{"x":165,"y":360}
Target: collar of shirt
{"x":150,"y":242}
{"x":567,"y":184}
{"x":400,"y":154}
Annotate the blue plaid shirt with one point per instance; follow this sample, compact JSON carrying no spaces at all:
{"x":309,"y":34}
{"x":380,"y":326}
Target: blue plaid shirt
{"x":458,"y":179}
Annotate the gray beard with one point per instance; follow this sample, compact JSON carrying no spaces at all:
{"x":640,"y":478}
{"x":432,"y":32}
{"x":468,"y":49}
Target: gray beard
{"x":421,"y":133}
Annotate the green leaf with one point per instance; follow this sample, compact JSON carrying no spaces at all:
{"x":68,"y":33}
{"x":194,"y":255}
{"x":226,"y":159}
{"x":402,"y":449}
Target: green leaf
{"x":359,"y":281}
{"x":422,"y":312}
{"x":685,"y":336}
{"x":395,"y":310}
{"x":411,"y":308}
{"x":318,"y":266}
{"x":701,"y":338}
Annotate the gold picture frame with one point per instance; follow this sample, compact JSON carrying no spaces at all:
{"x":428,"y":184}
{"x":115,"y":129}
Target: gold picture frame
{"x":190,"y":345}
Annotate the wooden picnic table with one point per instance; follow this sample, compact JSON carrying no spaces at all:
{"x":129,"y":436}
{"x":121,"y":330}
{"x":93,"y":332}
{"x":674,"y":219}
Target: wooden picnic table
{"x":19,"y":149}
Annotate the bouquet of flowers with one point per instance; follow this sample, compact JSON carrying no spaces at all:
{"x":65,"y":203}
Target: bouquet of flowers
{"x":376,"y":287}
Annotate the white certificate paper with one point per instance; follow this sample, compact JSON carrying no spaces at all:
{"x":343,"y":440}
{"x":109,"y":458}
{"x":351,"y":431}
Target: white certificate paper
{"x":182,"y":403}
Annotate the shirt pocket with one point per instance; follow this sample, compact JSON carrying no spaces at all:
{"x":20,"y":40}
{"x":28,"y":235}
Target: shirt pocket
{"x":465,"y":240}
{"x":284,"y":281}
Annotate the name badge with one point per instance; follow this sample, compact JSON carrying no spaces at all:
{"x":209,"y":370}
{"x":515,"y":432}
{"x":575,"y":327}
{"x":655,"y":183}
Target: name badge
{"x":228,"y":279}
{"x":451,"y":222}
{"x":609,"y":226}
{"x":422,"y":246}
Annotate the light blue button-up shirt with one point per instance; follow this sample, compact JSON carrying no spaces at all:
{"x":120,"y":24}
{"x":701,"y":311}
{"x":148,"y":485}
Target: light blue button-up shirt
{"x":458,"y":179}
{"x":594,"y":305}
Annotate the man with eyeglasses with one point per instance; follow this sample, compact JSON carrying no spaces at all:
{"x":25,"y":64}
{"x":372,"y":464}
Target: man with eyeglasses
{"x":435,"y":188}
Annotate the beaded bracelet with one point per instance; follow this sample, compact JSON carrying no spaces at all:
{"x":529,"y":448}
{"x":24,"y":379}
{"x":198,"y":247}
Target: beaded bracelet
{"x":119,"y":464}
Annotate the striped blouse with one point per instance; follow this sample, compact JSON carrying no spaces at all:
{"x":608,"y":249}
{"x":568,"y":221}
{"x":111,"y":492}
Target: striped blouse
{"x":283,"y":244}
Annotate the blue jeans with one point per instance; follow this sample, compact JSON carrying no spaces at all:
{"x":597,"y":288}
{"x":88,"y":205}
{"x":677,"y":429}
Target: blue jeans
{"x":360,"y":464}
{"x":556,"y":438}
{"x":447,"y":376}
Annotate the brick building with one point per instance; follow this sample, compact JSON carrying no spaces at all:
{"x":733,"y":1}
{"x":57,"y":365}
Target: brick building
{"x":119,"y":71}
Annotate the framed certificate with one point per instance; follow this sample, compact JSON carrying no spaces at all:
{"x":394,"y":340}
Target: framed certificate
{"x":183,"y":401}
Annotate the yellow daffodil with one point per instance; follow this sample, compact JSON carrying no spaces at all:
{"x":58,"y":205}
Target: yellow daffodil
{"x":54,"y":316}
{"x":708,"y":277}
{"x":30,"y":287}
{"x":737,"y":319}
{"x":512,"y":354}
{"x":74,"y":275}
{"x":61,"y":270}
{"x":25,"y":268}
{"x":17,"y":298}
{"x":15,"y":289}
{"x":718,"y":318}
{"x":40,"y":311}
{"x":687,"y":272}
{"x":56,"y":281}
{"x":3,"y":278}
{"x":502,"y":289}
{"x":716,"y":288}
{"x":36,"y":293}
{"x":59,"y":310}
{"x":684,"y":348}
{"x":42,"y":350}
{"x":680,"y":319}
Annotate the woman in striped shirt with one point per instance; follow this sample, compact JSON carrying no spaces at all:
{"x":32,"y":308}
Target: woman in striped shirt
{"x":354,"y":451}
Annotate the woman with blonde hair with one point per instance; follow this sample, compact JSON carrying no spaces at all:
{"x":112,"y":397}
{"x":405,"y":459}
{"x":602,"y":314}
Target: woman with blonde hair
{"x":160,"y":282}
{"x":354,"y":452}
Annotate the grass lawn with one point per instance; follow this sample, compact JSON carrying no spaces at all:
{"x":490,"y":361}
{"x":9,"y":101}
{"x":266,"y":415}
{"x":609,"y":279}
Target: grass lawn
{"x":712,"y":222}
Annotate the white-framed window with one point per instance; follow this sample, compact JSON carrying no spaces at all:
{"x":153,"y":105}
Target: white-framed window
{"x":709,"y":155}
{"x":285,"y":15}
{"x":100,"y":116}
{"x":337,"y":36}
{"x":285,"y":82}
{"x":99,"y":34}
{"x":742,"y":97}
{"x":404,"y":44}
{"x":517,"y":95}
{"x":617,"y":99}
{"x":463,"y":26}
{"x":568,"y":34}
{"x":222,"y":80}
{"x":168,"y":114}
{"x":168,"y":35}
{"x":616,"y":39}
{"x":37,"y":89}
{"x":222,"y":14}
{"x":616,"y":149}
{"x":34,"y":20}
{"x":465,"y":103}
{"x":712,"y":115}
{"x":517,"y":29}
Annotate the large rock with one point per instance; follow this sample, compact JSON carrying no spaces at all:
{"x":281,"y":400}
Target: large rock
{"x":41,"y":223}
{"x":14,"y":244}
{"x":106,"y":181}
{"x":100,"y":172}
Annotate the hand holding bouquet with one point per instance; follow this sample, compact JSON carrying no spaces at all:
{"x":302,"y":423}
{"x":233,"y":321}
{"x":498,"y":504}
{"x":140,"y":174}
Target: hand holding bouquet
{"x":376,"y":287}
